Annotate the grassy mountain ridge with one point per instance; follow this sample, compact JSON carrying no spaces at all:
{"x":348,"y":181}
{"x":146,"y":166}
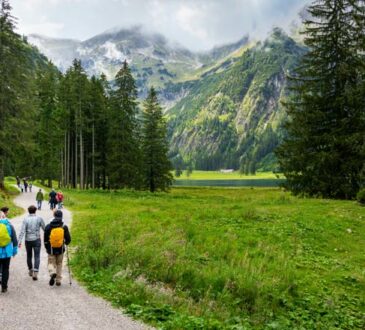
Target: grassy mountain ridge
{"x":232,"y":116}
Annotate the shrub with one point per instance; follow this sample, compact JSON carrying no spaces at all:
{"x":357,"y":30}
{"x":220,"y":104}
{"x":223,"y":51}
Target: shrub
{"x":361,"y":196}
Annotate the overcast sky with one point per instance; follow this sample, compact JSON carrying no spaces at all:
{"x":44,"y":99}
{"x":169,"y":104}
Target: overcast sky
{"x":196,"y":24}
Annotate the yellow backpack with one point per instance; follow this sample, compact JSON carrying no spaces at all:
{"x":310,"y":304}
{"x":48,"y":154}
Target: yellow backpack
{"x":5,"y":238}
{"x":57,"y":237}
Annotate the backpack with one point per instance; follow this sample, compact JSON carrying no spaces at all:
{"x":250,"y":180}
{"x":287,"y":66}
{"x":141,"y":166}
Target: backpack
{"x":57,"y":237}
{"x":5,"y":238}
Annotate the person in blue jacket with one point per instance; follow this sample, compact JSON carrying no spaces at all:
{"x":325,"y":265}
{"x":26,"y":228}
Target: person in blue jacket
{"x":7,"y":252}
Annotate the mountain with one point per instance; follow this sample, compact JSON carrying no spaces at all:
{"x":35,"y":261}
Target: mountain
{"x":231,"y":116}
{"x":223,"y":106}
{"x":152,"y":58}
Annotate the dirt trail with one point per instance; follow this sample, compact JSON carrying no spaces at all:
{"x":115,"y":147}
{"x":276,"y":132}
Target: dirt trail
{"x":35,"y":305}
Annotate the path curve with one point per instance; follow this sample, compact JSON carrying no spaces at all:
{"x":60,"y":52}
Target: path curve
{"x":35,"y":305}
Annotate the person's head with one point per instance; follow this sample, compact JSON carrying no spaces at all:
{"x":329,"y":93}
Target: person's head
{"x":32,"y":209}
{"x":40,"y":190}
{"x":58,"y":214}
{"x":5,"y":210}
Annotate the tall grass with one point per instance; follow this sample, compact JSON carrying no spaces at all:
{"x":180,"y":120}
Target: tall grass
{"x":223,"y":258}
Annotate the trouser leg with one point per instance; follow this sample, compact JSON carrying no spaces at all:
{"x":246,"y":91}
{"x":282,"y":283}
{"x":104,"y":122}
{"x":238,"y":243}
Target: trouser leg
{"x":5,"y":272}
{"x":29,"y":248}
{"x":59,"y":262}
{"x":51,"y":264}
{"x":37,"y":254}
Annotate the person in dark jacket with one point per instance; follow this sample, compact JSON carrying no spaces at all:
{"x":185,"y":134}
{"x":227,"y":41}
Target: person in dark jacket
{"x":52,"y":199}
{"x":6,"y":252}
{"x":55,"y":254}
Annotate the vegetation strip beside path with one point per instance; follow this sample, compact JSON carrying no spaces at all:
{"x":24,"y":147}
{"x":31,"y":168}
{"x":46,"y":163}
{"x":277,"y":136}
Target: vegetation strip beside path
{"x":36,"y":305}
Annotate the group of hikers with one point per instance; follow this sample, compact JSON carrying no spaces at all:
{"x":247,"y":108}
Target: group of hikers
{"x":55,"y":199}
{"x":23,"y":186}
{"x":56,"y":237}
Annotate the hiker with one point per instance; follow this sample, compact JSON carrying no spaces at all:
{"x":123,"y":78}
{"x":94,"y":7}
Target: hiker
{"x":59,"y":198}
{"x":52,"y":199}
{"x":30,"y":186}
{"x":5,"y":210}
{"x":25,"y":185}
{"x":18,"y":181}
{"x":31,"y":229}
{"x":56,"y":235}
{"x":39,"y":198}
{"x":8,"y":249}
{"x":21,"y":186}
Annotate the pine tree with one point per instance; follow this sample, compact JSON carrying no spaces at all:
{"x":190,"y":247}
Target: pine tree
{"x":123,"y":142}
{"x":49,"y":133}
{"x":157,"y":167}
{"x":322,"y":153}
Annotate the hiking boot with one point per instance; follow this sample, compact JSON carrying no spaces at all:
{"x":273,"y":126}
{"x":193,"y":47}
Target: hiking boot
{"x":3,"y":290}
{"x":35,"y":276}
{"x":58,"y":283}
{"x":52,"y":280}
{"x":30,"y":273}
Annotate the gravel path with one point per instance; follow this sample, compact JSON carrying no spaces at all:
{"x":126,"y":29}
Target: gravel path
{"x":34,"y":305}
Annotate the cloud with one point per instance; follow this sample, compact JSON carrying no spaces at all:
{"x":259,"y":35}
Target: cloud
{"x":196,"y":24}
{"x":44,"y":26}
{"x":189,"y":19}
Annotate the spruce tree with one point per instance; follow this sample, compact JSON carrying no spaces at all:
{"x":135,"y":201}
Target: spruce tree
{"x":321,"y":154}
{"x":49,"y":133}
{"x":123,"y":141}
{"x":157,"y":167}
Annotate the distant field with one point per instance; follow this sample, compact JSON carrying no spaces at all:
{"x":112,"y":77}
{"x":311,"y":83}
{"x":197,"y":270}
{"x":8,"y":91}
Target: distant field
{"x":217,"y":175}
{"x":202,"y":258}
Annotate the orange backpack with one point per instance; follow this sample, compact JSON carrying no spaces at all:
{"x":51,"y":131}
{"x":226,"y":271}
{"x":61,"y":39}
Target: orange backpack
{"x":57,"y":237}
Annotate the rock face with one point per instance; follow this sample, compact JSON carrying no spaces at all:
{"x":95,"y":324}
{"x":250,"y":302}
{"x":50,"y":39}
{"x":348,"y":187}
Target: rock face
{"x":232,"y":116}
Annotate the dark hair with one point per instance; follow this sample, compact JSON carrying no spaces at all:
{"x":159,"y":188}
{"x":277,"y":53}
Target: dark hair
{"x":32,"y":209}
{"x":5,"y":209}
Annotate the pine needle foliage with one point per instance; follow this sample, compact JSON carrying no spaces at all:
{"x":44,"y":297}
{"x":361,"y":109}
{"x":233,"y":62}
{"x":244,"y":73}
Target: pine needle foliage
{"x":323,"y":153}
{"x":157,"y":167}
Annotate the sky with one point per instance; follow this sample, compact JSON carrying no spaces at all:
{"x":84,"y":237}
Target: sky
{"x":195,"y":24}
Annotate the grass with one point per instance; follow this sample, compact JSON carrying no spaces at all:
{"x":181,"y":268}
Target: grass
{"x":217,"y":175}
{"x":203,"y":258}
{"x":7,"y":196}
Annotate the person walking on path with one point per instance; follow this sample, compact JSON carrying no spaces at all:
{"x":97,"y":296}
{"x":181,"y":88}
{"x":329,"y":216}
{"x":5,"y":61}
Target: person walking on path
{"x":31,"y":227}
{"x":56,"y":235}
{"x":59,"y":197}
{"x":8,"y":249}
{"x":25,"y":185}
{"x":52,"y":199}
{"x":39,"y":198}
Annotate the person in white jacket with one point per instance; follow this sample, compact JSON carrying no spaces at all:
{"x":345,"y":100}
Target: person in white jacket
{"x":31,"y":229}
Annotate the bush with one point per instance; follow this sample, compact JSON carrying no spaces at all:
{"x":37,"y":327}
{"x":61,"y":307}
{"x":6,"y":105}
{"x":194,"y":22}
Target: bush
{"x":361,"y":196}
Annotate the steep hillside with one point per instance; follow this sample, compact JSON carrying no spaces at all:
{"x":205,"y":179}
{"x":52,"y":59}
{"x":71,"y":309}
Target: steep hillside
{"x":232,"y":116}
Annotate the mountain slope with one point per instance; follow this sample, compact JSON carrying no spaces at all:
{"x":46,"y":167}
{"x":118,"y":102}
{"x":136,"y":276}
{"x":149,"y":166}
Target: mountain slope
{"x":232,"y":116}
{"x":153,"y":59}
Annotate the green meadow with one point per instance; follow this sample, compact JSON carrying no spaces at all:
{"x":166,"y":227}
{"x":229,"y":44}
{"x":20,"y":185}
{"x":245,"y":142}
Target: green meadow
{"x":217,"y":175}
{"x":203,"y":258}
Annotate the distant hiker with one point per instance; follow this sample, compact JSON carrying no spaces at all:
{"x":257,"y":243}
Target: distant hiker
{"x":56,"y":235}
{"x":52,"y":199}
{"x":18,"y":181}
{"x":8,"y":249}
{"x":25,"y":185}
{"x":30,"y":186}
{"x":39,"y":198}
{"x":59,"y":198}
{"x":31,"y":228}
{"x":21,"y":186}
